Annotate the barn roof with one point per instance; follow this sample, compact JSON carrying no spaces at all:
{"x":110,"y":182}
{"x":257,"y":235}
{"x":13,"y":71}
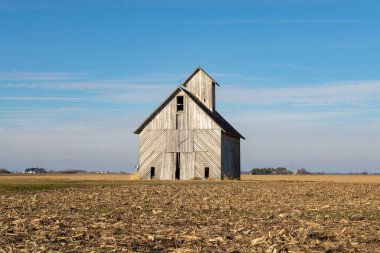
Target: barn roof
{"x":219,"y":120}
{"x":195,"y":72}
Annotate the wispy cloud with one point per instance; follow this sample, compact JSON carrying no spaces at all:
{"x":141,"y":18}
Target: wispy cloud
{"x":83,"y":81}
{"x":41,"y":76}
{"x":240,"y":77}
{"x":83,"y":85}
{"x":287,"y":66}
{"x":281,"y":118}
{"x":42,"y":110}
{"x":275,"y":21}
{"x":41,"y":98}
{"x":350,"y":92}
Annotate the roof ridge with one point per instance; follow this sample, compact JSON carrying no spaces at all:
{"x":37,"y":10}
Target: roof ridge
{"x":214,"y":115}
{"x":227,"y":127}
{"x":198,"y":68}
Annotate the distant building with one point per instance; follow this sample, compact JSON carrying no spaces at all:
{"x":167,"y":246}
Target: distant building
{"x":35,"y":170}
{"x":186,"y":138}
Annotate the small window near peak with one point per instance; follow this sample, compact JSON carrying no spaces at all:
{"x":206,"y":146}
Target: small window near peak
{"x":179,"y":103}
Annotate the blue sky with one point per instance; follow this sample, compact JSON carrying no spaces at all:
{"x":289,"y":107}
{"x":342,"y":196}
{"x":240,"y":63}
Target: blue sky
{"x":299,"y":79}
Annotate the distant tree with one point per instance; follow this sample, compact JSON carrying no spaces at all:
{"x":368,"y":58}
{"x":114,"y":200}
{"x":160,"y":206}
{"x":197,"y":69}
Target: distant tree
{"x":270,"y":171}
{"x":303,"y":171}
{"x":4,"y":171}
{"x":364,"y":173}
{"x":281,"y":171}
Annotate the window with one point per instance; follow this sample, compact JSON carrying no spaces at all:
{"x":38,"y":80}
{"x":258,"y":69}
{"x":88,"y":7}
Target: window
{"x":207,"y":172}
{"x":152,"y":172}
{"x":179,"y":103}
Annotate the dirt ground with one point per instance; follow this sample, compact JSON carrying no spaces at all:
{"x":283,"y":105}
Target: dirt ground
{"x":89,"y":215}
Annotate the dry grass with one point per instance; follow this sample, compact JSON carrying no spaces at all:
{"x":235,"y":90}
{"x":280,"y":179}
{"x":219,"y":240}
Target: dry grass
{"x":73,"y":177}
{"x":109,"y":213}
{"x":314,"y":178}
{"x":49,"y":177}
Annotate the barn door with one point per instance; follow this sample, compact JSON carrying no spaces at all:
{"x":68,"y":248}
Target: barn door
{"x":187,"y":165}
{"x":168,"y":166}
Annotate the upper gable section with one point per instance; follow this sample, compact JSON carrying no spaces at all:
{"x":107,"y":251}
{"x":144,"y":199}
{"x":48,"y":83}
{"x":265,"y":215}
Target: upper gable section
{"x":173,"y":116}
{"x":202,"y":86}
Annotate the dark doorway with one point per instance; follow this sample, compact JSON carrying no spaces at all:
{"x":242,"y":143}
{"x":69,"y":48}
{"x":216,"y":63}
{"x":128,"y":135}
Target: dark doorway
{"x":207,"y":172}
{"x":152,"y":172}
{"x":177,"y":166}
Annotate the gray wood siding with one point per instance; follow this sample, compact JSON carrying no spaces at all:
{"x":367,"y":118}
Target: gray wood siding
{"x":230,"y":156}
{"x":187,"y":166}
{"x":191,"y":136}
{"x":179,"y":140}
{"x":192,"y":117}
{"x":202,"y":86}
{"x":168,"y":165}
{"x":165,"y":119}
{"x":160,"y":141}
{"x":152,"y":145}
{"x":207,"y":149}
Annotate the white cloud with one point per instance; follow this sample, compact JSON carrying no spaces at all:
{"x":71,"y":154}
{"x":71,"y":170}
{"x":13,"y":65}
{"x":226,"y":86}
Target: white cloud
{"x":276,"y":21}
{"x":82,"y":81}
{"x":40,"y":110}
{"x":41,"y":76}
{"x":350,"y":92}
{"x":41,"y":98}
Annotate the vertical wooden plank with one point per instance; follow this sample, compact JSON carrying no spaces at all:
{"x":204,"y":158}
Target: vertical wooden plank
{"x":201,"y":85}
{"x":186,"y":142}
{"x":230,"y":156}
{"x":166,"y":118}
{"x":168,"y":166}
{"x":187,"y":166}
{"x":172,"y":140}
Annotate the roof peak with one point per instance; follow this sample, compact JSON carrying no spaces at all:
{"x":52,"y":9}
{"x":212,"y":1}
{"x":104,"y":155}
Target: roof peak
{"x":198,"y":68}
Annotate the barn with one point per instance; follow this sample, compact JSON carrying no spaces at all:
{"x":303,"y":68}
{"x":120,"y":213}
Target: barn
{"x":186,"y":138}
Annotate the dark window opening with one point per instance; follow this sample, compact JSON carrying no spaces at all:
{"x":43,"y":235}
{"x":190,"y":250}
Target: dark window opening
{"x":152,"y":172}
{"x":177,"y":167}
{"x":207,"y":172}
{"x":179,"y":103}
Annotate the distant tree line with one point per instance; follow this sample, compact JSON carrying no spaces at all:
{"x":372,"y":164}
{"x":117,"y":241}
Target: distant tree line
{"x":4,"y":171}
{"x":270,"y":171}
{"x":68,"y":171}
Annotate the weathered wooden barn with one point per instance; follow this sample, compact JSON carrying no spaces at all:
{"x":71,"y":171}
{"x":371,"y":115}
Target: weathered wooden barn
{"x":186,"y":138}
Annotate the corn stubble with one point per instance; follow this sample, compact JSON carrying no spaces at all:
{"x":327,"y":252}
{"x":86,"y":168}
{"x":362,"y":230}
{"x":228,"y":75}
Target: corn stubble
{"x":193,"y":217}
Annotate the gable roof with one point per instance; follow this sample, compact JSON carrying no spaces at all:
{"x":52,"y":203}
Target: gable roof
{"x":214,"y":115}
{"x":195,"y":72}
{"x":158,"y":109}
{"x":226,"y":127}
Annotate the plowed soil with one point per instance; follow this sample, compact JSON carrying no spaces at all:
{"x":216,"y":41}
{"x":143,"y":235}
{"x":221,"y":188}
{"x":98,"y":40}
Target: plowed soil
{"x":192,"y":216}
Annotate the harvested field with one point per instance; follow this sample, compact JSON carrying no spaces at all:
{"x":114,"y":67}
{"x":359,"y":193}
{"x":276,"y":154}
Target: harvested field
{"x":314,"y":178}
{"x":116,"y":215}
